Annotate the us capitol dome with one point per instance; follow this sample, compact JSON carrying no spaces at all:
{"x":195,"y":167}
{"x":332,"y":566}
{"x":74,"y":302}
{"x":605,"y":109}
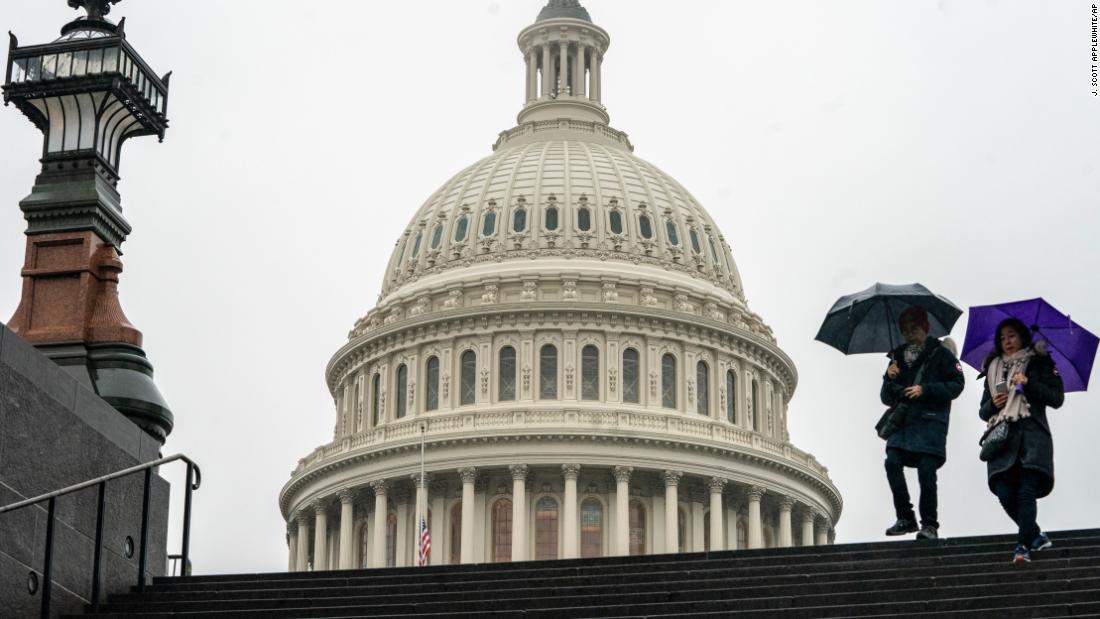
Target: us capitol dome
{"x":564,"y":327}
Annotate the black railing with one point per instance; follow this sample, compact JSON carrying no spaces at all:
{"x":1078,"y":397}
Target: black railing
{"x":194,"y":479}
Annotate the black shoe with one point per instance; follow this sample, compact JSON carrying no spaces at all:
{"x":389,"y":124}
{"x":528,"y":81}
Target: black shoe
{"x":901,"y":527}
{"x":928,"y":532}
{"x":1041,"y":543}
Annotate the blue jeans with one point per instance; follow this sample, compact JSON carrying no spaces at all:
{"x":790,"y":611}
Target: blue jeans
{"x":1016,"y":489}
{"x":926,"y":465}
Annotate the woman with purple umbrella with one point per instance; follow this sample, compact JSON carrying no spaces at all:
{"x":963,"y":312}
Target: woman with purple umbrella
{"x":1021,"y":381}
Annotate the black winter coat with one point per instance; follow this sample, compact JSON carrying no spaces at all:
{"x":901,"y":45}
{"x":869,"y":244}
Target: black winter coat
{"x":1030,"y":440}
{"x":925,"y":429}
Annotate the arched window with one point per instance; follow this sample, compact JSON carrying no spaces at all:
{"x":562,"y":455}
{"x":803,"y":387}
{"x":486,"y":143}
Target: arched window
{"x":546,"y":529}
{"x":402,"y":390}
{"x":431,"y":376}
{"x":615,"y":218}
{"x":742,"y":534}
{"x":702,"y":388}
{"x":590,"y":373}
{"x":468,"y":390}
{"x":673,"y":233}
{"x":706,"y":531}
{"x":756,"y":412}
{"x":769,"y":538}
{"x":489,"y":224}
{"x":416,"y":244}
{"x":695,"y":241}
{"x":645,"y":227}
{"x":502,"y":530}
{"x":460,"y":228}
{"x":714,"y":253}
{"x":519,"y":219}
{"x":731,"y":397}
{"x":391,"y":539}
{"x":364,"y":550}
{"x":506,"y":390}
{"x":437,"y":235}
{"x":584,"y":219}
{"x":548,"y":372}
{"x":681,"y":530}
{"x":630,"y":376}
{"x":456,"y":534}
{"x":591,"y":528}
{"x":668,"y":381}
{"x":637,"y":527}
{"x":376,"y":399}
{"x":357,"y":402}
{"x":551,"y":218}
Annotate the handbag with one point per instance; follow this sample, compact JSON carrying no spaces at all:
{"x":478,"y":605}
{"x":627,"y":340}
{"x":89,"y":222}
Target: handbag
{"x":895,"y":417}
{"x":993,"y":441}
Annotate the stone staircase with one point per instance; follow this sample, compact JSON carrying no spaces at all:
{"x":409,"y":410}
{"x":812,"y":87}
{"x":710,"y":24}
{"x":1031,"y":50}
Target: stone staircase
{"x":961,"y":577}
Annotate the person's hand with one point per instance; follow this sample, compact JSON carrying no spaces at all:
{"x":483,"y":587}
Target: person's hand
{"x":1019,"y":379}
{"x":914,"y":392}
{"x":999,"y":400}
{"x":893,"y":371}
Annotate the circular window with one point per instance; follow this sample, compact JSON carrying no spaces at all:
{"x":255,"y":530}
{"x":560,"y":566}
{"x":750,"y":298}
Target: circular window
{"x":128,"y":547}
{"x":32,"y":583}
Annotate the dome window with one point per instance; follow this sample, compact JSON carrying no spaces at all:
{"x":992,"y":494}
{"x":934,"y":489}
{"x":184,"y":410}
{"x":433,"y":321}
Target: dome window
{"x":714,"y":253}
{"x":519,"y":220}
{"x":402,"y":390}
{"x":431,"y":399}
{"x":673,"y":234}
{"x":469,"y":378}
{"x":489,"y":224}
{"x":645,"y":227}
{"x":695,"y":241}
{"x":507,"y":375}
{"x":702,"y":388}
{"x":668,"y":381}
{"x":584,"y":219}
{"x":630,"y":376}
{"x":376,"y":397}
{"x":548,"y":372}
{"x":460,"y":229}
{"x":590,"y":373}
{"x":591,"y":528}
{"x":731,"y":397}
{"x":552,"y":218}
{"x":437,"y":236}
{"x":416,"y":245}
{"x":546,"y":529}
{"x":616,"y":220}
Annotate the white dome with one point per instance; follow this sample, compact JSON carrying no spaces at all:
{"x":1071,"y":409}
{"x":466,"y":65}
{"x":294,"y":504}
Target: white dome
{"x":560,"y":189}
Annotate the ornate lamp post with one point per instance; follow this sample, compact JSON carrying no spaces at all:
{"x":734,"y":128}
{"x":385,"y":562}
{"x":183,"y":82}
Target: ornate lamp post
{"x":88,"y":92}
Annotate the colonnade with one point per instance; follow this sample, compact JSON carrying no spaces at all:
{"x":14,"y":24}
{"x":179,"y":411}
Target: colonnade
{"x":575,"y":71}
{"x":732,"y":503}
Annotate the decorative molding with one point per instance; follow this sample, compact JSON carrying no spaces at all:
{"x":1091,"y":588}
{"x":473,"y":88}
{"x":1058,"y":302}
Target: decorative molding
{"x":571,"y":471}
{"x":672,"y":478}
{"x":518,"y":471}
{"x":622,"y":473}
{"x":468,"y":474}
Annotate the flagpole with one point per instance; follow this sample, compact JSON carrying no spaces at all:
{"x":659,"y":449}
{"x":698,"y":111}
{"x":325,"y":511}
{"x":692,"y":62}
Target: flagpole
{"x":422,"y":517}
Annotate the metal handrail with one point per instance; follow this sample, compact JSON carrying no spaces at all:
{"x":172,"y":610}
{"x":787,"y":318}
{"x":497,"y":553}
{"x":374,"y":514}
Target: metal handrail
{"x":194,"y":480}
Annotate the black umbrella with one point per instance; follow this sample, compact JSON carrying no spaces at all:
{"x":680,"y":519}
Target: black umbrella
{"x":867,"y":321}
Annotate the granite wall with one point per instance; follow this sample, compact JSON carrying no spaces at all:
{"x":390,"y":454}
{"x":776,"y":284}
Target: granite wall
{"x":55,"y":432}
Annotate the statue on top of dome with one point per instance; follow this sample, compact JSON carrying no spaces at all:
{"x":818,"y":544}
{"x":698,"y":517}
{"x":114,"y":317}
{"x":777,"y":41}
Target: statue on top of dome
{"x":96,"y":9}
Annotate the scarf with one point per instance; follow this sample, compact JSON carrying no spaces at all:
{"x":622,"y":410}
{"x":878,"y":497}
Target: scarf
{"x":912,"y":353}
{"x":1002,"y":368}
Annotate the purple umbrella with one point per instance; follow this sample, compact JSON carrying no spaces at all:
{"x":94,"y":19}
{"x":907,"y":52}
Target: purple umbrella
{"x":1071,"y":346}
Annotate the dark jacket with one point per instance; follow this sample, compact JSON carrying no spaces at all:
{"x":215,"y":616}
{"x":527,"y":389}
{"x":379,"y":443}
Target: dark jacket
{"x":1029,"y":441}
{"x":925,"y":429}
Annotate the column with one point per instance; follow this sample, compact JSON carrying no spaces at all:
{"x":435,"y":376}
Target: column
{"x":822,"y":530}
{"x":622,"y":509}
{"x":808,"y":528}
{"x":657,"y":526}
{"x":519,"y":511}
{"x":303,"y":542}
{"x":532,"y":75}
{"x":438,"y":501}
{"x":786,"y":504}
{"x":571,"y":517}
{"x":401,"y":550}
{"x":377,"y":546}
{"x":578,"y":71}
{"x":672,"y":520}
{"x":756,"y":530}
{"x":466,"y":540}
{"x":563,"y":67}
{"x":320,"y":536}
{"x":547,"y":78}
{"x":597,"y":60}
{"x":347,"y":529}
{"x":292,"y":547}
{"x":716,"y":485}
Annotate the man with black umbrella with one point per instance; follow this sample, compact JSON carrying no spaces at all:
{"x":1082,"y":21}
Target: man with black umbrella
{"x":923,"y":377}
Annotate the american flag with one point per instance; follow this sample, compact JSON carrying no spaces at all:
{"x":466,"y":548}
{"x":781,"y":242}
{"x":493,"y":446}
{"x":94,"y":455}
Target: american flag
{"x":425,"y":542}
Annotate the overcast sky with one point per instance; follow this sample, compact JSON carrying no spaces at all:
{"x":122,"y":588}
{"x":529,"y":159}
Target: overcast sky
{"x":835,"y":143}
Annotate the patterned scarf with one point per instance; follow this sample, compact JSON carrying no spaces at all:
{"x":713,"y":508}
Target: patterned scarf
{"x":1002,"y":368}
{"x":912,"y":353}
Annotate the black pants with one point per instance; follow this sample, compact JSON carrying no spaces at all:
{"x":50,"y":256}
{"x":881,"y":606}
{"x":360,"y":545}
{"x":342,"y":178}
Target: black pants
{"x":926,"y":465}
{"x":1016,"y":489}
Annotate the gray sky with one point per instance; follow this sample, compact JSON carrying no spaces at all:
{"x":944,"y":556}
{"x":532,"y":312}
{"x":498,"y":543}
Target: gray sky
{"x":835,"y":143}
